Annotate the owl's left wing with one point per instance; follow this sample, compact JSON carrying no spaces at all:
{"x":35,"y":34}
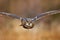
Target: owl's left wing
{"x":45,"y":14}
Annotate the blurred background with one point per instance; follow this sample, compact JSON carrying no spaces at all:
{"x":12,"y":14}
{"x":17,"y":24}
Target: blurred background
{"x":27,"y":8}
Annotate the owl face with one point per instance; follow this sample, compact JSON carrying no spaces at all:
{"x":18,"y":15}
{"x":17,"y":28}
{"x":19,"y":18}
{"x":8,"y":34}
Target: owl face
{"x":27,"y":24}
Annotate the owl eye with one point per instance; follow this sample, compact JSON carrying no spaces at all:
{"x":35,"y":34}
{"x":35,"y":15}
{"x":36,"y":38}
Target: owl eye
{"x":27,"y":24}
{"x":31,"y":24}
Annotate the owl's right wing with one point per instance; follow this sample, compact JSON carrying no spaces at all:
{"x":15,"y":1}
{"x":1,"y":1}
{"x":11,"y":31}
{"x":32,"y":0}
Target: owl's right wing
{"x":11,"y":15}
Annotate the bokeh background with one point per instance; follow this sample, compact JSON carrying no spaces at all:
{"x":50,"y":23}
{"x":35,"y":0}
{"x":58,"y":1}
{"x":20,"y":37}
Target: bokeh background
{"x":10,"y":30}
{"x":28,"y":7}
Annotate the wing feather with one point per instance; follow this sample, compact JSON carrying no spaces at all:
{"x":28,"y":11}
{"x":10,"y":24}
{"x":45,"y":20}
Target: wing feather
{"x":45,"y":14}
{"x":11,"y":15}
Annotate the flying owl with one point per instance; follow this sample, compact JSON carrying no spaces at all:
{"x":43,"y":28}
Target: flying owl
{"x":28,"y":23}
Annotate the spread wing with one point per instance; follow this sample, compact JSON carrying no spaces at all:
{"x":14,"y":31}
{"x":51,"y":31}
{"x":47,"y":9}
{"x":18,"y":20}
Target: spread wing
{"x":11,"y":15}
{"x":15,"y":16}
{"x":42,"y":15}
